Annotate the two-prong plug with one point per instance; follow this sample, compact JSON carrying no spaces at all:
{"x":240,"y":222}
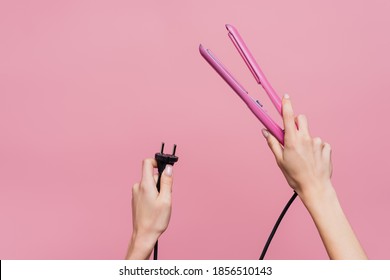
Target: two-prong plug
{"x":164,"y":159}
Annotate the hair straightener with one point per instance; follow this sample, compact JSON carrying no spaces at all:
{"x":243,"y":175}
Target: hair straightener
{"x":254,"y":105}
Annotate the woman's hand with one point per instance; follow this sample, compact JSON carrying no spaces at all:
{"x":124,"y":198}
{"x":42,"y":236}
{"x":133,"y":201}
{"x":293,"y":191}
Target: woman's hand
{"x":306,"y":163}
{"x":151,"y":209}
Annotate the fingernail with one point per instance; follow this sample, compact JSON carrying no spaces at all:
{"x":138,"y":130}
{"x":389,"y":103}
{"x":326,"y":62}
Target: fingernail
{"x":286,"y":96}
{"x":265,"y":132}
{"x":168,"y":170}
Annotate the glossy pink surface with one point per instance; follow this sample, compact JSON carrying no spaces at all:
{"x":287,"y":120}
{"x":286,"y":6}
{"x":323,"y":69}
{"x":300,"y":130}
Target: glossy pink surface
{"x":90,"y":88}
{"x":253,"y":105}
{"x":253,"y":66}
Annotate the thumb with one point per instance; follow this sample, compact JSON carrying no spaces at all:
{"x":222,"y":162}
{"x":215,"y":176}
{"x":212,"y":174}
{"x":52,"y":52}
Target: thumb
{"x":274,"y":145}
{"x":166,"y":182}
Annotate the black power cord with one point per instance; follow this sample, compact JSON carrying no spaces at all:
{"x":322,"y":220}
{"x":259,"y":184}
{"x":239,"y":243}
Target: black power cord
{"x":162,"y":160}
{"x":277,"y":225}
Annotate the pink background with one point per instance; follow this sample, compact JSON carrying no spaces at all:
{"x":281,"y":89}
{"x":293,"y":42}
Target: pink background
{"x":90,"y":88}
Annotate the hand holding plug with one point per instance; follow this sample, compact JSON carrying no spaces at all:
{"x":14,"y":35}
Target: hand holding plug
{"x":151,"y":204}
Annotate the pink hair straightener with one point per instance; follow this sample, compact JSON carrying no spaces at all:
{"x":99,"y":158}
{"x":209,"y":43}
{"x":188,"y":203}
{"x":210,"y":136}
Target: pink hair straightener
{"x":254,"y":105}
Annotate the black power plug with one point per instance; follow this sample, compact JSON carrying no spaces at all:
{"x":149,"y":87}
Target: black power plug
{"x":162,"y":161}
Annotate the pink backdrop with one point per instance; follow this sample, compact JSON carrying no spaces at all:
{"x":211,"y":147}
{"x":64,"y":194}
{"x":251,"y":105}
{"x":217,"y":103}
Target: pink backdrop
{"x":90,"y":88}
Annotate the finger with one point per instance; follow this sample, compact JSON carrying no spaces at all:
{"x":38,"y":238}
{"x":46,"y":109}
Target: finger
{"x":301,"y":122}
{"x":330,"y":161}
{"x":155,"y":177}
{"x":148,"y":166}
{"x":327,"y":151}
{"x":317,"y":147}
{"x":166,"y":183}
{"x":274,"y":145}
{"x":327,"y":155}
{"x":288,"y":118}
{"x":135,"y":189}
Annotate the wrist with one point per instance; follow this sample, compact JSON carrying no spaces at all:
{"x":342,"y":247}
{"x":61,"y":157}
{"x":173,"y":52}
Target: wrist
{"x":336,"y":233}
{"x":141,"y":245}
{"x":316,"y":193}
